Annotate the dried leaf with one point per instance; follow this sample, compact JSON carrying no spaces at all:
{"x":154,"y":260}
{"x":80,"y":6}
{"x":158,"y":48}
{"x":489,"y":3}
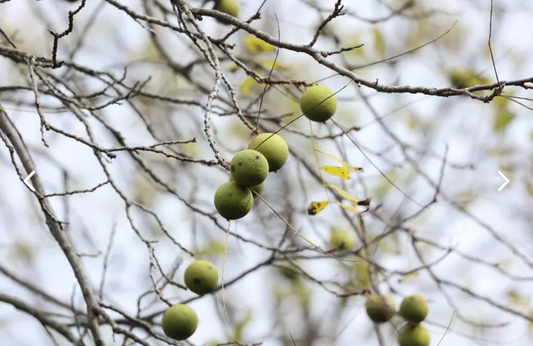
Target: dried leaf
{"x":316,"y":207}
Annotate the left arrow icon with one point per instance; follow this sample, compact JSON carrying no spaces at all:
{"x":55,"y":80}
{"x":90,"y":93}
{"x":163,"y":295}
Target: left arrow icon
{"x":28,"y":178}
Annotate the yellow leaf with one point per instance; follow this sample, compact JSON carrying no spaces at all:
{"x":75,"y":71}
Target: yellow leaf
{"x":347,"y":207}
{"x":270,"y":63}
{"x":343,"y":193}
{"x":337,"y":171}
{"x":409,"y":276}
{"x":234,"y":68}
{"x":190,"y":149}
{"x":247,"y":85}
{"x":257,"y":45}
{"x":316,"y":207}
{"x":357,"y":169}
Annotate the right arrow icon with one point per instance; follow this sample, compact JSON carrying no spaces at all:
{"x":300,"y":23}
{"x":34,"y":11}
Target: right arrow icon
{"x":506,"y":180}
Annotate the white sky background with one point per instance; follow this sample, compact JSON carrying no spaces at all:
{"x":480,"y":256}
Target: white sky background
{"x":464,"y":128}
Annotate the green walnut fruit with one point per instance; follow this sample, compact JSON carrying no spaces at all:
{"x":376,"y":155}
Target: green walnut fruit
{"x":413,"y":335}
{"x":179,"y":322}
{"x":414,"y":308}
{"x":273,"y":147}
{"x":318,"y":103}
{"x":256,"y":188}
{"x":233,"y":201}
{"x":249,"y":168}
{"x":230,"y":7}
{"x":201,"y":277}
{"x":378,"y":310}
{"x":341,"y":239}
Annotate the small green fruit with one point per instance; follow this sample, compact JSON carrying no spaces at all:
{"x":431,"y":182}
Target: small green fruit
{"x":233,"y":201}
{"x":377,"y":309}
{"x":179,"y":322}
{"x":414,"y":308}
{"x":249,"y":168}
{"x":317,"y":105}
{"x":201,"y":277}
{"x":230,"y":7}
{"x":256,"y":188}
{"x":273,"y":147}
{"x":341,"y":239}
{"x":413,"y":335}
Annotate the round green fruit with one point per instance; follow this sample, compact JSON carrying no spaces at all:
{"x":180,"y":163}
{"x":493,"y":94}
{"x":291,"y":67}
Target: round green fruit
{"x":179,"y":322}
{"x":233,"y":201}
{"x":414,"y":308}
{"x":249,"y":168}
{"x":273,"y":147}
{"x":201,"y":277}
{"x":341,"y":239}
{"x":318,"y":103}
{"x":378,"y":310}
{"x":413,"y":335}
{"x":256,"y":188}
{"x":230,"y":7}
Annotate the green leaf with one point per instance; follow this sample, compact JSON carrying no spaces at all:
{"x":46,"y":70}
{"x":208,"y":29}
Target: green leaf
{"x":239,"y":327}
{"x":410,"y":276}
{"x":379,"y":44}
{"x":529,"y":186}
{"x":211,"y":248}
{"x":502,"y":120}
{"x":362,"y":274}
{"x":23,"y":252}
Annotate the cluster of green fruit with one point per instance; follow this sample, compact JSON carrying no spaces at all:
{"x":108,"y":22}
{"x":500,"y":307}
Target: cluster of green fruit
{"x":180,"y":321}
{"x":413,"y":309}
{"x":268,"y":152}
